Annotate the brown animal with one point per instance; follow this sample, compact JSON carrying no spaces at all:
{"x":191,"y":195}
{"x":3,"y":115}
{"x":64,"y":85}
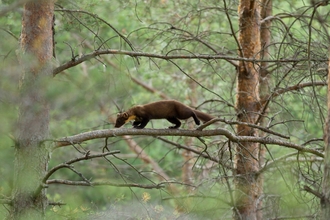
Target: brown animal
{"x":167,"y":109}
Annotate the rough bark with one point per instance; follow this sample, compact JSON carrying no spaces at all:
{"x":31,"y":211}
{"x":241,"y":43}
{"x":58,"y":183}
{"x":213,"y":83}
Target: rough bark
{"x":264,"y":88}
{"x":325,"y":200}
{"x":265,"y":38}
{"x":248,"y":184}
{"x":31,"y":155}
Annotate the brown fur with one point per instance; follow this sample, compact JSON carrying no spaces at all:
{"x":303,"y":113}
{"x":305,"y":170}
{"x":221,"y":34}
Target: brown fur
{"x":171,"y":110}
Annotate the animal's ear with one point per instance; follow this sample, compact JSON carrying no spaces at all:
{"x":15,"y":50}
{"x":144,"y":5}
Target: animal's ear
{"x":118,"y":114}
{"x":125,"y":115}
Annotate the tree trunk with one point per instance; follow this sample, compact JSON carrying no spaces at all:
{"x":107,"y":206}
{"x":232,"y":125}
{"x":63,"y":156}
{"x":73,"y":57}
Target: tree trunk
{"x":265,"y":37}
{"x":325,"y":200}
{"x":188,"y":157}
{"x":32,"y":156}
{"x":248,"y":184}
{"x":264,"y":88}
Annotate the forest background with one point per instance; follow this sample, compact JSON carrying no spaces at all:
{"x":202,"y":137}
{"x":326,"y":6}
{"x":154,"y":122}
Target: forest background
{"x":183,"y":50}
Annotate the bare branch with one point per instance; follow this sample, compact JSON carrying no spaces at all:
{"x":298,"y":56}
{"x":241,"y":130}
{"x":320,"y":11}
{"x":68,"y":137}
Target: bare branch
{"x":200,"y":153}
{"x":266,"y":102}
{"x":104,"y":183}
{"x":232,"y":30}
{"x":287,"y":159}
{"x":242,"y":123}
{"x":196,"y":38}
{"x":314,"y":192}
{"x":299,"y":86}
{"x":278,"y":92}
{"x":96,"y":53}
{"x":79,"y":174}
{"x":178,"y":132}
{"x":87,"y":156}
{"x":104,"y":21}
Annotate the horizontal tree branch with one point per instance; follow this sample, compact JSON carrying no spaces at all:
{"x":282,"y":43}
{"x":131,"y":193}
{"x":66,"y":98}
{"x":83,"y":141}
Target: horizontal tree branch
{"x":104,"y":183}
{"x":67,"y":164}
{"x":230,"y":122}
{"x":83,"y":58}
{"x":280,"y":91}
{"x":79,"y":138}
{"x":298,"y":87}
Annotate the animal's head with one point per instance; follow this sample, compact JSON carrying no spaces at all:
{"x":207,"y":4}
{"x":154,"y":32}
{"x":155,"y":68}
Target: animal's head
{"x":123,"y":118}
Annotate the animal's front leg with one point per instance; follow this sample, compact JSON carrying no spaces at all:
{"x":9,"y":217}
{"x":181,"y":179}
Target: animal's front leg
{"x":141,"y":124}
{"x":136,"y":123}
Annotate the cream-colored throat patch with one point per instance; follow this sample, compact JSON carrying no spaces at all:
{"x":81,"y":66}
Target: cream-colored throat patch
{"x":130,"y":118}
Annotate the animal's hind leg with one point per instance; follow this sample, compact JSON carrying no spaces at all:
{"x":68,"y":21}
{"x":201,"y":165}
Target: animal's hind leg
{"x":187,"y":113}
{"x":174,"y":121}
{"x":197,"y":121}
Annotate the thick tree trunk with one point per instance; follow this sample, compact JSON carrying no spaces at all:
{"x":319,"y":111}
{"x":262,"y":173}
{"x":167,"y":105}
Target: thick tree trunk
{"x":248,"y":184}
{"x":325,"y":200}
{"x":32,"y":156}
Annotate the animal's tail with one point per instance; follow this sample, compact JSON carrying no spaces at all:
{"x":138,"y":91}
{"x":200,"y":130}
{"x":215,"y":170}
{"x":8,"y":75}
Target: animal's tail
{"x":203,"y":116}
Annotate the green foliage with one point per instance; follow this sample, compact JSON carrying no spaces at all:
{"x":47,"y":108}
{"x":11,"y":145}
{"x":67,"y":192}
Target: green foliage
{"x":83,"y":98}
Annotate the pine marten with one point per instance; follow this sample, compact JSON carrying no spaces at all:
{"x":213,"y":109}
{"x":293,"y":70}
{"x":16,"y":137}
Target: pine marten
{"x":167,"y":109}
